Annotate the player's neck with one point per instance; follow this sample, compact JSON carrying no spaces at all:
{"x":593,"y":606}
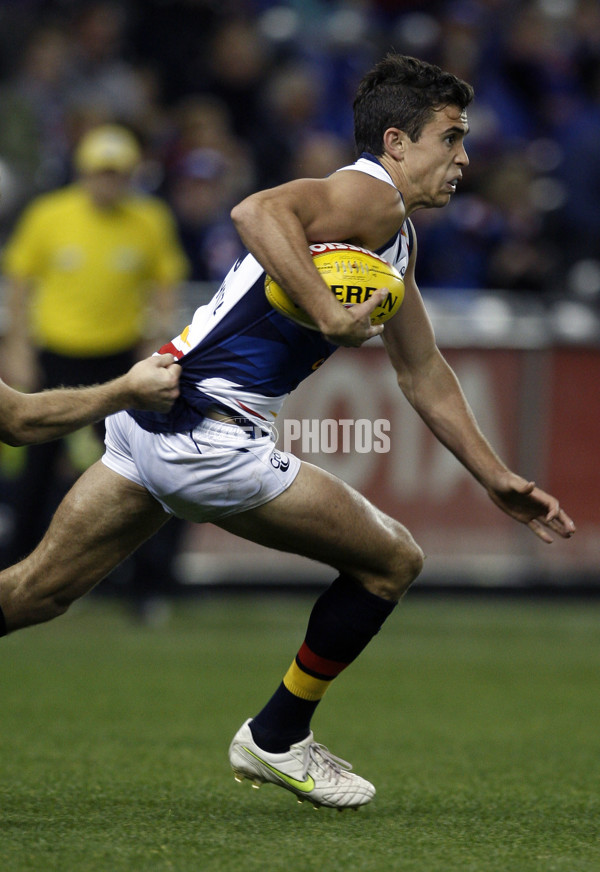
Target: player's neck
{"x":394,"y":169}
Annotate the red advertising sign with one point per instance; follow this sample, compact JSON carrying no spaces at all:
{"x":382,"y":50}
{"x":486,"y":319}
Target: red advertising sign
{"x":538,"y":408}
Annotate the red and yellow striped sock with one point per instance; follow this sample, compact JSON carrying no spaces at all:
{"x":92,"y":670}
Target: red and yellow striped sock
{"x":343,"y":620}
{"x":309,"y":676}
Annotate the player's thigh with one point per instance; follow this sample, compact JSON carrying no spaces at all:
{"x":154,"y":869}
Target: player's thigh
{"x":321,"y":517}
{"x":102,"y":519}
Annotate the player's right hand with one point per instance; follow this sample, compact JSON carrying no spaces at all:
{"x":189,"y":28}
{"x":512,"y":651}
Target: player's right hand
{"x":154,"y":382}
{"x":354,"y":325}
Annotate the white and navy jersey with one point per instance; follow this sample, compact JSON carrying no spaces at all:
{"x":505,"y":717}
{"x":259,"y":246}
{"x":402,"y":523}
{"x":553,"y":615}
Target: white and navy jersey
{"x":241,"y":355}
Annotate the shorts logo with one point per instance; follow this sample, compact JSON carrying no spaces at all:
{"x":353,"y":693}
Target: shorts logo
{"x":280,"y":461}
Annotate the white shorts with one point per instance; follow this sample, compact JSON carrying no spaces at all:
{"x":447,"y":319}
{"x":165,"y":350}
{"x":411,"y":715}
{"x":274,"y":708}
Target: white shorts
{"x":216,"y":470}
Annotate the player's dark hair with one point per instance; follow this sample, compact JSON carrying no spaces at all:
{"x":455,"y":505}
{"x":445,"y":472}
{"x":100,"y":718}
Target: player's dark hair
{"x":402,"y":92}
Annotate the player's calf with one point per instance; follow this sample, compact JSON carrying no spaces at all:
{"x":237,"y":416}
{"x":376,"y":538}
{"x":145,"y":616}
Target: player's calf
{"x":27,"y":599}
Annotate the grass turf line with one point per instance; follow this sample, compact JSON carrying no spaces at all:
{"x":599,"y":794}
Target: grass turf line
{"x":477,"y":722}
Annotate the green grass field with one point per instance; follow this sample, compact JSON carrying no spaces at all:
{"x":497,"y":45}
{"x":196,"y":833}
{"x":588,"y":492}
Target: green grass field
{"x":479,"y":723}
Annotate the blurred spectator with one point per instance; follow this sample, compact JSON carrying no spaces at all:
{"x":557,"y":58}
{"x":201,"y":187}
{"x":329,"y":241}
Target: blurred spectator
{"x":208,"y":169}
{"x":290,"y":107}
{"x":199,"y":194}
{"x":33,"y":108}
{"x":85,"y":265}
{"x":520,"y":260}
{"x":101,"y":73}
{"x":204,"y":122}
{"x":318,"y":154}
{"x":579,"y":137}
{"x":239,"y":67}
{"x":491,"y":238}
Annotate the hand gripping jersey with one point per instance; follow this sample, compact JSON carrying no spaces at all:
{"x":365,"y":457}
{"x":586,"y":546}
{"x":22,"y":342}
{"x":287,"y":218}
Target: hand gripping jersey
{"x":243,"y":357}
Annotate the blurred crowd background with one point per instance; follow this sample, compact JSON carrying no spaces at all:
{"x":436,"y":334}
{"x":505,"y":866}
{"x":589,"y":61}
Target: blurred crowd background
{"x":227,"y":96}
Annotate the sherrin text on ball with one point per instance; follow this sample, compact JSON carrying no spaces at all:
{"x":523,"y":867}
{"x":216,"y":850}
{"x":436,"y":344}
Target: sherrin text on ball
{"x":353,"y":274}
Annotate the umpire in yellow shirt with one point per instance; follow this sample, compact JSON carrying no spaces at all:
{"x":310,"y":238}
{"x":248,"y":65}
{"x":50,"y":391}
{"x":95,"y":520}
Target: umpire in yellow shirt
{"x":85,"y":267}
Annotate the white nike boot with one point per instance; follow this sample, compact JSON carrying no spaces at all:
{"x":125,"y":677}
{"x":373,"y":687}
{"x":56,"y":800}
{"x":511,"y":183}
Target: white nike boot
{"x":307,"y":769}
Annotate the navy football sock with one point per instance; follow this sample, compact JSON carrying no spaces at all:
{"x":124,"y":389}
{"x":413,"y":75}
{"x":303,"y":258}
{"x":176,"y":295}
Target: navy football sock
{"x":343,"y":621}
{"x":3,"y":629}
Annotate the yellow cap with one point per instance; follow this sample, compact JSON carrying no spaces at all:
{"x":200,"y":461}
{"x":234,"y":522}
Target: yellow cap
{"x":109,"y":147}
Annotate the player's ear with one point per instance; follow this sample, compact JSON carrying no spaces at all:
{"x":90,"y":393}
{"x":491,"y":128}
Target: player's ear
{"x":394,"y":142}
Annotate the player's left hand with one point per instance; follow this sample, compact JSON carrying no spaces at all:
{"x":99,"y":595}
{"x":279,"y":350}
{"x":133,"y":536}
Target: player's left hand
{"x":530,"y":505}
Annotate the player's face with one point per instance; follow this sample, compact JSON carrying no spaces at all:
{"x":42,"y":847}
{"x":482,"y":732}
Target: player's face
{"x":434,"y":163}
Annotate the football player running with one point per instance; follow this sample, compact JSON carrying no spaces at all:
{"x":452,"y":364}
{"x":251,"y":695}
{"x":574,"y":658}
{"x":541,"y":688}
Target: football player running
{"x":212,"y":459}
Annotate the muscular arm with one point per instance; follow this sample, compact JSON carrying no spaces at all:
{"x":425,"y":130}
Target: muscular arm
{"x":27,"y":418}
{"x":431,"y":386}
{"x":277,"y":226}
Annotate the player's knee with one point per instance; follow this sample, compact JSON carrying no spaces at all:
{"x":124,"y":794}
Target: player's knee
{"x":409,"y":563}
{"x":415,"y":560}
{"x":404,"y":562}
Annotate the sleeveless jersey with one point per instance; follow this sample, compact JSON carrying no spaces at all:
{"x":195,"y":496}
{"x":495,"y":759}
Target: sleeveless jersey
{"x":242,"y":356}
